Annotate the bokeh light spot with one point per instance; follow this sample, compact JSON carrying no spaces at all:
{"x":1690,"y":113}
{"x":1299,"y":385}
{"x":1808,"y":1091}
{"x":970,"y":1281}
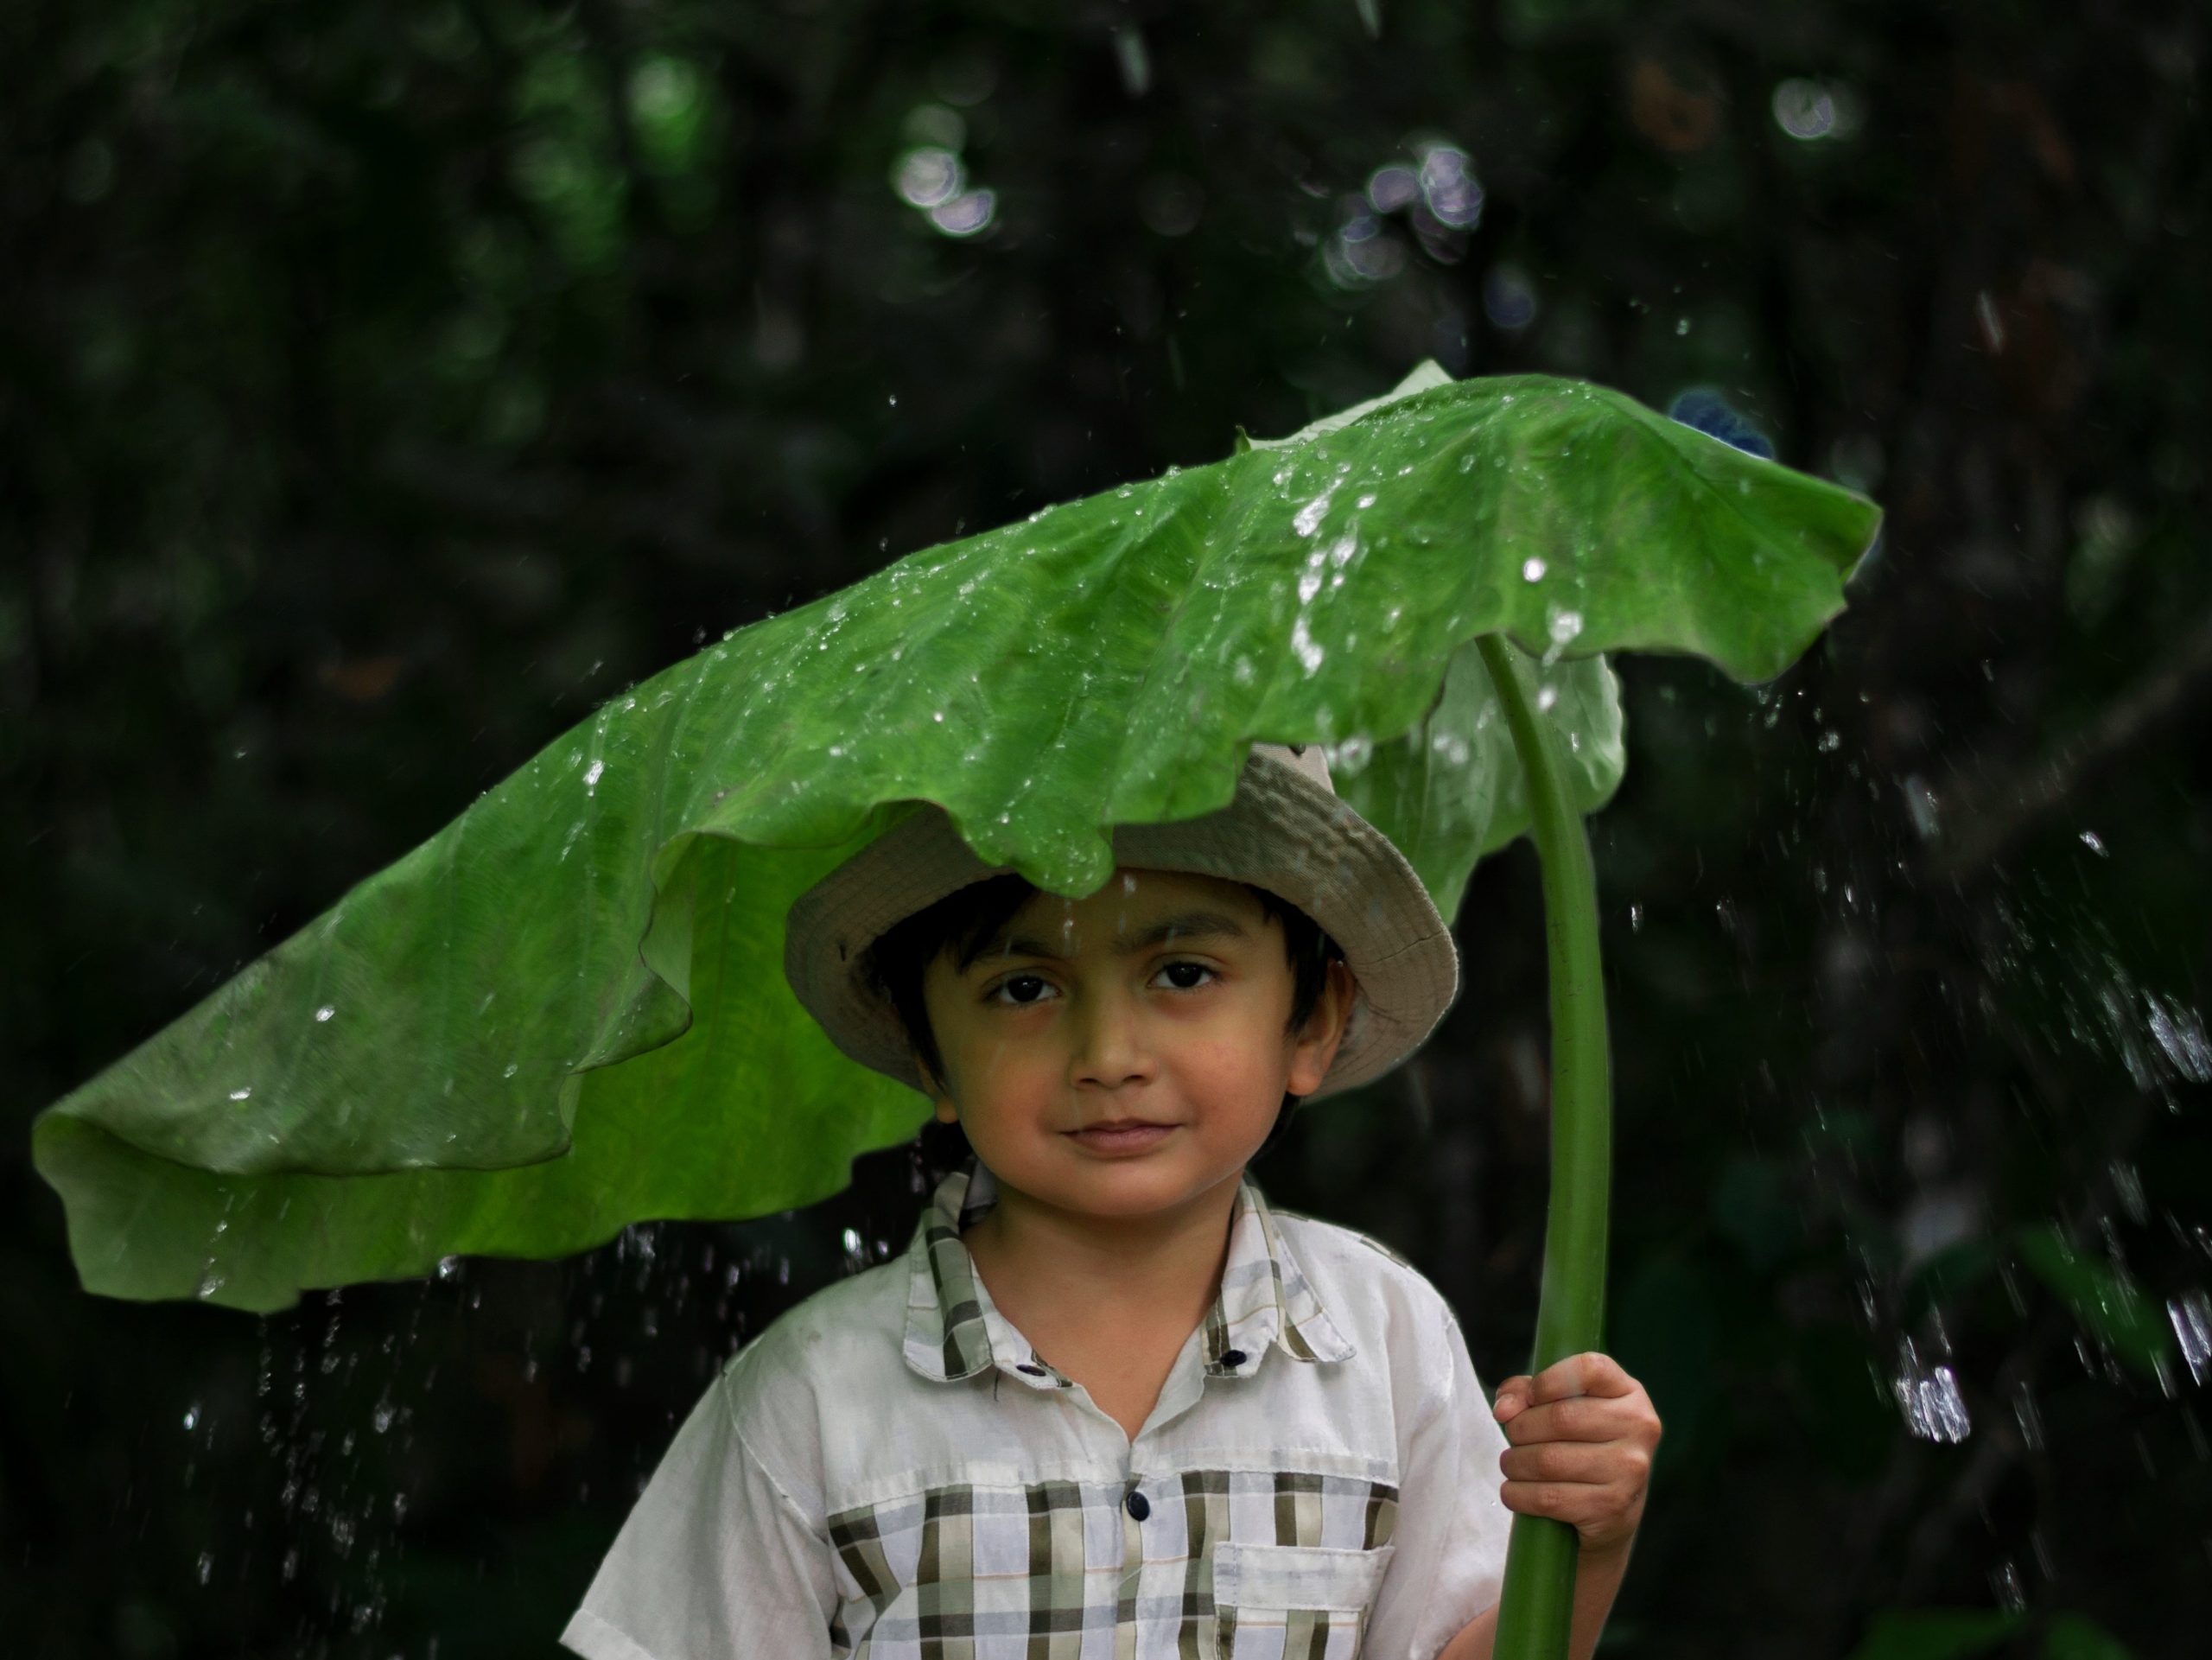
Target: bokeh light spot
{"x":935,"y":124}
{"x":1389,"y":188}
{"x":1448,"y":186}
{"x":1170,"y":204}
{"x":1508,"y":297}
{"x":1803,"y":109}
{"x":928,"y":175}
{"x":965,"y":214}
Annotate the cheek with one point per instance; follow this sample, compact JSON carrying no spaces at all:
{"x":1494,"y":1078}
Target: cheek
{"x":1233,"y":1072}
{"x":1010,"y":1077}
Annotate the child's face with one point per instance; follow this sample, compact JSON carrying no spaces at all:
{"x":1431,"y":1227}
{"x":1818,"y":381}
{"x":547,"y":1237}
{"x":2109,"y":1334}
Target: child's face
{"x":1159,"y":1003}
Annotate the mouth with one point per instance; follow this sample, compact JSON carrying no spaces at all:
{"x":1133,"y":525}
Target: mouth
{"x":1120,"y":1135}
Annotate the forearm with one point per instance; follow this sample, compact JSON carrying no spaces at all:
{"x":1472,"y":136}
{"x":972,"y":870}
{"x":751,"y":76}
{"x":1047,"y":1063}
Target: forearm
{"x":1597,"y":1579}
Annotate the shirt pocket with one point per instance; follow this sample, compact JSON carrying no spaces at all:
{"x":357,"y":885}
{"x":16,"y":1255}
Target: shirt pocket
{"x":1294,"y":1602}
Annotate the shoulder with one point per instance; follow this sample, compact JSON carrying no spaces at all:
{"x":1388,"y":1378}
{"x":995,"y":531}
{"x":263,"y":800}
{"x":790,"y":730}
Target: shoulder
{"x":1404,"y":1335}
{"x":1335,"y":1236}
{"x":786,"y":1391}
{"x":829,"y":1341}
{"x":1370,"y":1290}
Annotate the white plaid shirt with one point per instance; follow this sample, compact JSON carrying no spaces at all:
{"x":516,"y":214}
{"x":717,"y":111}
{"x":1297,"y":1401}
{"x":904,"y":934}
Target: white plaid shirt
{"x":890,"y":1471}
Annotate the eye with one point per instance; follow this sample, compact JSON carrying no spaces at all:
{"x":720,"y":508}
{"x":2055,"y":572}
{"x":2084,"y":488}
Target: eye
{"x":1189,"y":968}
{"x":1011,"y":981}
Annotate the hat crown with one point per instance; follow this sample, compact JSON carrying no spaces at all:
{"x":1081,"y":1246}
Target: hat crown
{"x":1307,"y":758}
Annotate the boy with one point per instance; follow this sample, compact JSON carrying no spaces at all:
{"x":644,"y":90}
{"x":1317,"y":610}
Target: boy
{"x":1111,"y":1407}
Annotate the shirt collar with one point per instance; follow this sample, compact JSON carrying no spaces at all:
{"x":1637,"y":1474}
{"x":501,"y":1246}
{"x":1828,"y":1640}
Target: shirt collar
{"x":953,"y":1331}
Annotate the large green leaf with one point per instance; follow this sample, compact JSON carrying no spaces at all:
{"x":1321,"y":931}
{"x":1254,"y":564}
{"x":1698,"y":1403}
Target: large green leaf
{"x":566,"y":1011}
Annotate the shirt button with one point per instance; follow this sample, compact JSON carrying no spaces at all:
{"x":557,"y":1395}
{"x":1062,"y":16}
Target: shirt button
{"x":1138,"y":1506}
{"x":1232,"y":1357}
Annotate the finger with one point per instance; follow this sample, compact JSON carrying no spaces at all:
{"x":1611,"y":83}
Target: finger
{"x":1578,"y":1418}
{"x":1563,"y":1501}
{"x":1512,"y":1396}
{"x":1587,"y":1463}
{"x":1588,"y":1373}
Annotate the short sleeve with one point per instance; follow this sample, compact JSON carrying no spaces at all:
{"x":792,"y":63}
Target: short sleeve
{"x":1449,"y":1564}
{"x":715,"y":1562}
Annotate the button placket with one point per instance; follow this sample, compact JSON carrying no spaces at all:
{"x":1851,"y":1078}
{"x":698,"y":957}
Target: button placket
{"x":1132,"y":1546}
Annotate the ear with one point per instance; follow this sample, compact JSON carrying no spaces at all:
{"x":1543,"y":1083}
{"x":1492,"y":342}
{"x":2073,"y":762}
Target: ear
{"x":941,"y":1102}
{"x":1316,"y":1046}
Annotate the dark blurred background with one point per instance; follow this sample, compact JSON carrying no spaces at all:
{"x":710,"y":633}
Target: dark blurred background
{"x":386,"y":385}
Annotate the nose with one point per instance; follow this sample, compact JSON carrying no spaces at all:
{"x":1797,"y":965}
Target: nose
{"x":1111,"y":1049}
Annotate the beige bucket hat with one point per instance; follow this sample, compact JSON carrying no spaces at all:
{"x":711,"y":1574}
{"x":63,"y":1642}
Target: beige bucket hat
{"x":1286,"y":830}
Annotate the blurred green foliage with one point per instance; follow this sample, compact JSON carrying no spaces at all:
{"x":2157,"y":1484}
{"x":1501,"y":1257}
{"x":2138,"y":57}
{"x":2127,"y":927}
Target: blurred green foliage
{"x":387,"y":387}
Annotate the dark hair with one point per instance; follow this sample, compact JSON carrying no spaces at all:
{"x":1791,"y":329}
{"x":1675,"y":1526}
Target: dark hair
{"x":967,"y":919}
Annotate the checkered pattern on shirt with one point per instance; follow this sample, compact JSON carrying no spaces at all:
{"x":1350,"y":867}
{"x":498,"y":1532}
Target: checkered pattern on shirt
{"x":977,"y":1572}
{"x":1059,"y":1570}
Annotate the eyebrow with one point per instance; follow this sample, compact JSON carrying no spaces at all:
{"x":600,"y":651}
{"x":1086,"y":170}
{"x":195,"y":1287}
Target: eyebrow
{"x":1185,"y":925}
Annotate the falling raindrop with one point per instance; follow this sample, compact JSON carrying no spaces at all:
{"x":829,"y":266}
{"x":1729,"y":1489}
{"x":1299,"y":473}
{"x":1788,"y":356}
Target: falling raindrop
{"x":1532,"y":570}
{"x":2180,"y":1035}
{"x":1933,"y":1408}
{"x":2191,"y":1314}
{"x":2006,"y":1582}
{"x":2095,"y":843}
{"x":2029,"y":1419}
{"x":325,"y":1012}
{"x":240,"y":1095}
{"x":1920,"y":802}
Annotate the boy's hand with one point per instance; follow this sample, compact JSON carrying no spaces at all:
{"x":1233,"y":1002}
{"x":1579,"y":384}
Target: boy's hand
{"x":1583,"y":1433}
